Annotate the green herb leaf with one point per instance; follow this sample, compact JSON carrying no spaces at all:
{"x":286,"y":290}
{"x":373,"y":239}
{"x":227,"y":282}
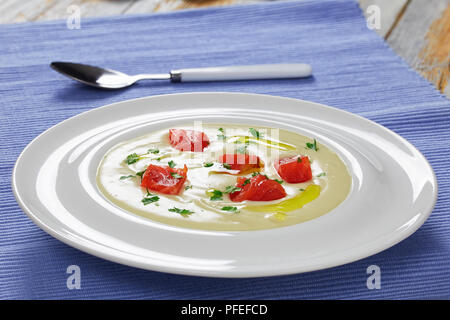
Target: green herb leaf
{"x":126,"y":177}
{"x":222,"y":135}
{"x":255,"y":133}
{"x":187,"y":187}
{"x":279,"y":181}
{"x":176,"y":175}
{"x":231,"y":189}
{"x":172,"y":164}
{"x":148,"y":200}
{"x":299,"y":159}
{"x":230,"y":209}
{"x":153,"y":150}
{"x":184,"y":212}
{"x":208,"y":164}
{"x":140,"y":173}
{"x":322,"y":174}
{"x":132,"y":158}
{"x":226,"y":166}
{"x":158,"y":159}
{"x":312,"y":146}
{"x":254,"y":174}
{"x":247,"y":181}
{"x":217,"y":195}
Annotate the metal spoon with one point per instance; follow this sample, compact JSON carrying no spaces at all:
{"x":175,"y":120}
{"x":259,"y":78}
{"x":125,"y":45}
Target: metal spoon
{"x":111,"y":79}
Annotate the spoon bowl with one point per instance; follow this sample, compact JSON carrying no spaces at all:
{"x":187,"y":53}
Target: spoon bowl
{"x":95,"y":76}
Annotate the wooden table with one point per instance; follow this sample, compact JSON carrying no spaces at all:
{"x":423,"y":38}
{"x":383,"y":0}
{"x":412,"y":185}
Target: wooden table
{"x":417,"y":30}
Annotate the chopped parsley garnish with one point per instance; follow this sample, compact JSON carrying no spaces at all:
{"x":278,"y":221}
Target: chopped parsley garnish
{"x":312,"y":146}
{"x":254,"y":174}
{"x":247,"y":181}
{"x":222,"y":135}
{"x":216,"y":195}
{"x":126,"y":177}
{"x":132,"y":158}
{"x":176,"y":175}
{"x":226,"y":166}
{"x":150,"y":199}
{"x":231,"y":189}
{"x":279,"y":181}
{"x":188,"y":187}
{"x":255,"y":133}
{"x":184,"y":212}
{"x":208,"y":164}
{"x":158,"y":159}
{"x":230,"y":209}
{"x":299,"y":159}
{"x":322,"y":174}
{"x":172,"y":164}
{"x":140,"y":173}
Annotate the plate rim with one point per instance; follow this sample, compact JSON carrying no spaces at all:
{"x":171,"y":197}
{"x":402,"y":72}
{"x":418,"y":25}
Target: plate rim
{"x":83,"y":246}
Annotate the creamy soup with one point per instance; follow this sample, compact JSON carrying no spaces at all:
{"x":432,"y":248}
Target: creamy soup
{"x":204,"y":200}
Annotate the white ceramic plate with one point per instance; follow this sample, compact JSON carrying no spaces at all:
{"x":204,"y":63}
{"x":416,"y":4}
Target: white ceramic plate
{"x":393,"y":189}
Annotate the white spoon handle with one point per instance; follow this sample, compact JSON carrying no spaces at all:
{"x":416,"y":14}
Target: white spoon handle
{"x":263,"y":71}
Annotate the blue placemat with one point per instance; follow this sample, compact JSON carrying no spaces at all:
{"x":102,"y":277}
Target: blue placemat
{"x":353,"y":70}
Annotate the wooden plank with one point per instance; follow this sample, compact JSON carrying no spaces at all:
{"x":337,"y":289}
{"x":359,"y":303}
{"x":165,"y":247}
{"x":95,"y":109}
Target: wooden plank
{"x":421,"y":37}
{"x":88,"y":8}
{"x":33,"y":10}
{"x":435,"y":54}
{"x":389,"y":12}
{"x":12,"y":11}
{"x":171,"y":5}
